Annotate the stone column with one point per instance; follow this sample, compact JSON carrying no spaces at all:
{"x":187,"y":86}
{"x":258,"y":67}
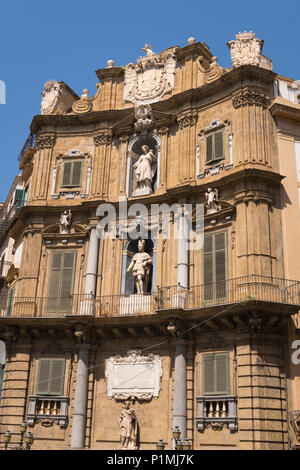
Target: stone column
{"x":182,"y":253}
{"x":92,"y":263}
{"x":179,"y":405}
{"x":80,"y":401}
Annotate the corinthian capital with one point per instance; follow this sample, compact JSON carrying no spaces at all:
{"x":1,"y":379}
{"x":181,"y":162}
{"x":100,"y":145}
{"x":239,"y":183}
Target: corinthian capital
{"x":187,"y":118}
{"x":45,"y":141}
{"x":250,"y":96}
{"x":103,"y":137}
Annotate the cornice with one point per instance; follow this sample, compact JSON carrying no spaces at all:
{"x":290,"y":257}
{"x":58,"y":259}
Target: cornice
{"x":281,"y":108}
{"x":228,"y":83}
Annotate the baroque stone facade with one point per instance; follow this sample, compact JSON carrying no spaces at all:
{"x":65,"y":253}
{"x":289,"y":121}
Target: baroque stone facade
{"x":111,"y":339}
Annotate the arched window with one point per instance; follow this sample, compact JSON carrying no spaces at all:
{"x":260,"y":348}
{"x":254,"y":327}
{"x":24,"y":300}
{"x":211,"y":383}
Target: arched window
{"x":135,"y":185}
{"x":128,"y":286}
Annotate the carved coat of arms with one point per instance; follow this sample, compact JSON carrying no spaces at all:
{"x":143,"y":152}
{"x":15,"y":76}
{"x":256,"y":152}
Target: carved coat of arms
{"x":246,"y":49}
{"x":51,"y":97}
{"x":150,"y":78}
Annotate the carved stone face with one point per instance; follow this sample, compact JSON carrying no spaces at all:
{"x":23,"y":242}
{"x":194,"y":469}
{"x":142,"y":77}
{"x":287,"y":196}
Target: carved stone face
{"x":141,"y":245}
{"x":145,"y":149}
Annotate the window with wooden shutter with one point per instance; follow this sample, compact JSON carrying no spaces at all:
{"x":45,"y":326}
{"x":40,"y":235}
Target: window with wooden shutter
{"x":215,"y":377}
{"x":51,"y":377}
{"x":215,"y":147}
{"x":71,"y":175}
{"x":215,"y":265}
{"x":61,"y":281}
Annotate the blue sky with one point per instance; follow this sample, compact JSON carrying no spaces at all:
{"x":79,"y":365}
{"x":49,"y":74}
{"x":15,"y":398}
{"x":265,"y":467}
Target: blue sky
{"x":68,"y":40}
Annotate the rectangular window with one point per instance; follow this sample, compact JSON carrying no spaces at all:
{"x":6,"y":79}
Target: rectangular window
{"x":215,"y":376}
{"x":71,"y":175}
{"x":51,"y":377}
{"x":215,"y":265}
{"x":61,"y":281}
{"x":215,"y":147}
{"x":19,"y":197}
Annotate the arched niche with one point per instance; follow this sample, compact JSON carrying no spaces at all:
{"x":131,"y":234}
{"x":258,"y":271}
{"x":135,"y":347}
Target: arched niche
{"x":134,"y":152}
{"x":128,"y":286}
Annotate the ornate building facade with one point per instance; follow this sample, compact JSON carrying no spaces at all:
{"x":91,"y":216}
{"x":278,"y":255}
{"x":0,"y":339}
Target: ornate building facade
{"x":117,"y":327}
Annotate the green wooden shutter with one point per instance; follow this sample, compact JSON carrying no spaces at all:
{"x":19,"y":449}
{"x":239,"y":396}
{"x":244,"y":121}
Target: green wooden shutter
{"x":221,"y":373}
{"x":208,"y":374}
{"x":209,"y":148}
{"x":215,"y":147}
{"x":50,"y":380}
{"x":76,"y":174}
{"x":218,"y":145}
{"x":72,"y":174}
{"x":214,"y":266}
{"x":215,"y":374}
{"x":67,"y":169}
{"x":61,"y":281}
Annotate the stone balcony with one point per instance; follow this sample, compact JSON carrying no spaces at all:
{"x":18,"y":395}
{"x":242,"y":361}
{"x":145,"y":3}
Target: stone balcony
{"x":231,"y":291}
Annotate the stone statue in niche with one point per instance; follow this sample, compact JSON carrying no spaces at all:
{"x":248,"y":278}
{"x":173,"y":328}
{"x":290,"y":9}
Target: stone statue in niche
{"x":65,"y":221}
{"x":140,"y":265}
{"x":128,"y":425}
{"x":212,"y":200}
{"x":145,"y":168}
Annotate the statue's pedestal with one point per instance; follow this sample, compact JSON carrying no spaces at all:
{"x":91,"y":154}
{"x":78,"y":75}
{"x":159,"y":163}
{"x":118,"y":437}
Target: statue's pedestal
{"x":86,"y":307}
{"x":135,"y":304}
{"x":142,"y":192}
{"x":179,"y":300}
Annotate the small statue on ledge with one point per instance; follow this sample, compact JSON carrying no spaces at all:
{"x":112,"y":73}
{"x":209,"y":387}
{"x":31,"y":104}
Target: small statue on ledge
{"x":212,"y":200}
{"x":65,"y":221}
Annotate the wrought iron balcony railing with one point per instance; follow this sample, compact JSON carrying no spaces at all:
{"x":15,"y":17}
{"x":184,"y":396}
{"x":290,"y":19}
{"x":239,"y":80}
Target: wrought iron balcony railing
{"x":230,"y":291}
{"x":29,"y":143}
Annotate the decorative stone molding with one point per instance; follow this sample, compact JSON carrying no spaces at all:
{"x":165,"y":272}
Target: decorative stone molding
{"x":85,"y":104}
{"x":57,"y":98}
{"x":245,"y":49}
{"x":187,"y":118}
{"x":294,"y":418}
{"x":9,"y":333}
{"x":103,"y":138}
{"x":124,"y":139}
{"x":134,"y":376}
{"x":44,"y":141}
{"x":255,"y":322}
{"x":144,"y":118}
{"x":214,"y":170}
{"x":214,"y":125}
{"x":213,"y":72}
{"x":150,"y":78}
{"x":163,"y":131}
{"x":249,"y":96}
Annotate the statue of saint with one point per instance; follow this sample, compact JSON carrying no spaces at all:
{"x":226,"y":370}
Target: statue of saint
{"x":140,"y":266}
{"x":145,"y":168}
{"x":128,"y":427}
{"x":65,"y":221}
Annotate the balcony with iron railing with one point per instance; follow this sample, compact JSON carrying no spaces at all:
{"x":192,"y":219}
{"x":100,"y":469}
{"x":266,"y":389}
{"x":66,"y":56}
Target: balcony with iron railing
{"x":29,"y":144}
{"x":230,"y":291}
